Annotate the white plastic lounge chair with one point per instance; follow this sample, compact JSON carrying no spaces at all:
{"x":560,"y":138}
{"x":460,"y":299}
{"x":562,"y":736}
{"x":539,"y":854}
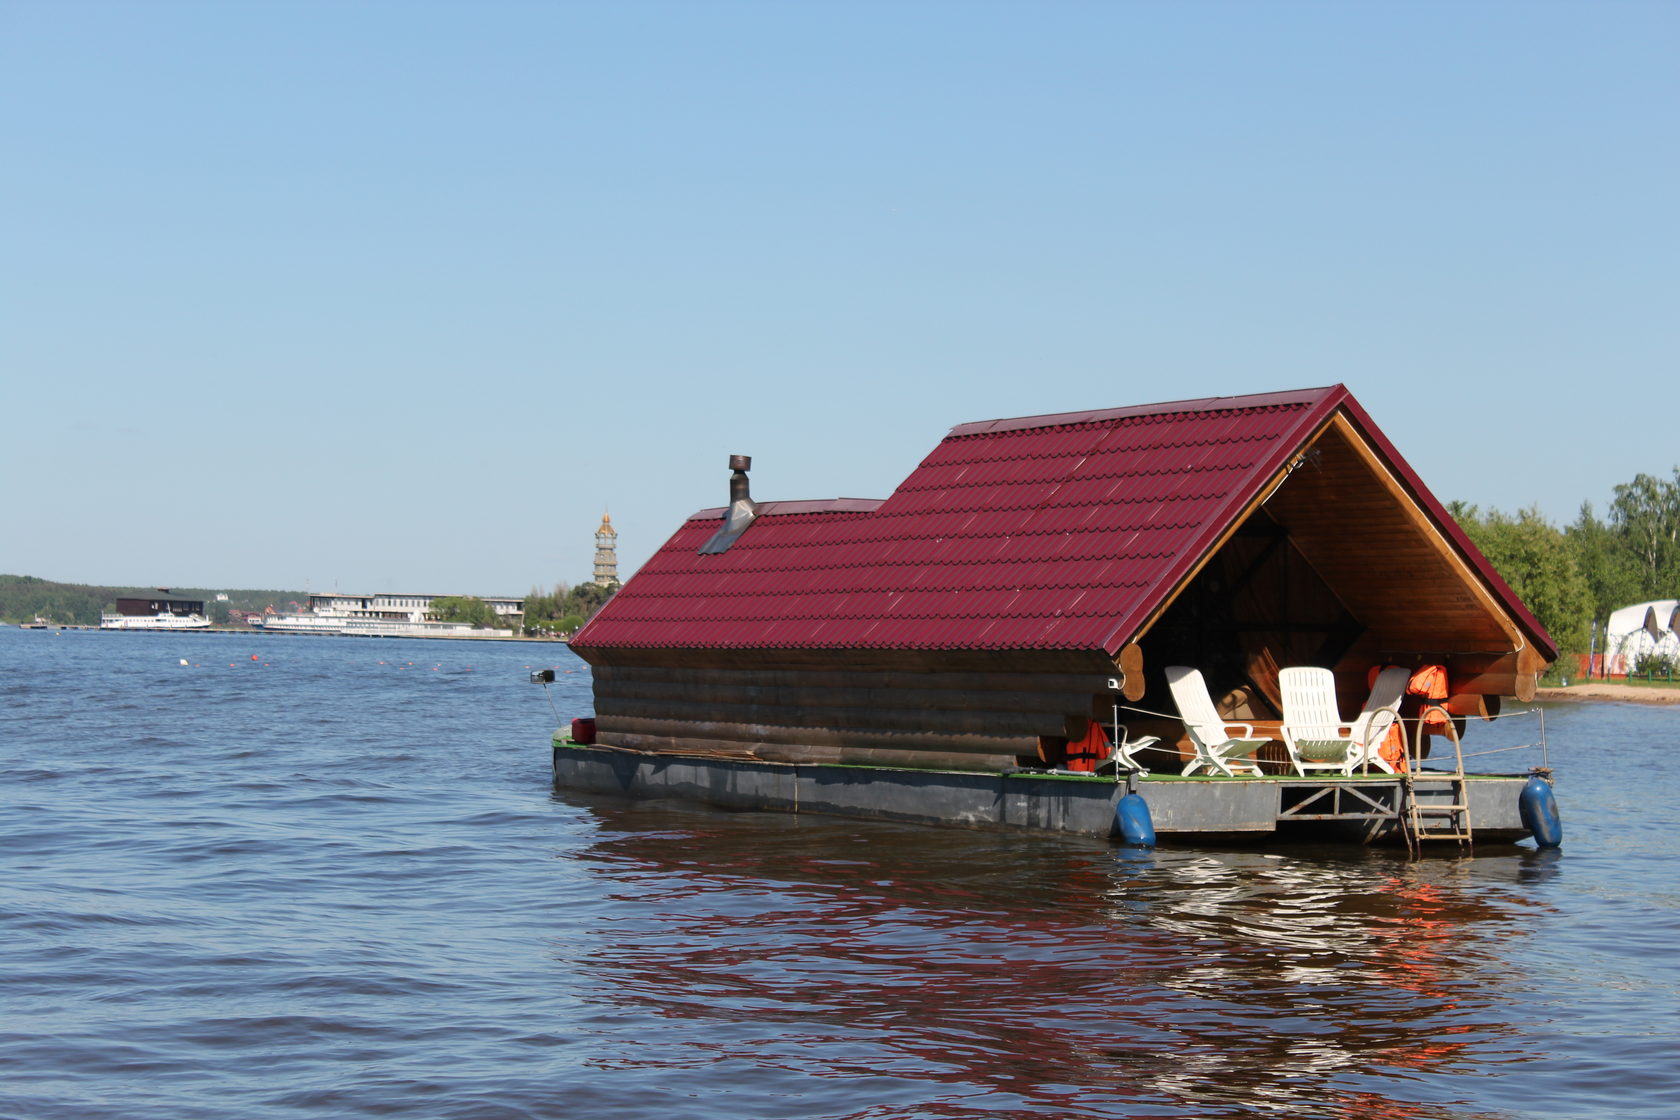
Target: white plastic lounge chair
{"x":1381,"y":711}
{"x":1218,"y":750}
{"x":1127,"y":750}
{"x":1318,"y":737}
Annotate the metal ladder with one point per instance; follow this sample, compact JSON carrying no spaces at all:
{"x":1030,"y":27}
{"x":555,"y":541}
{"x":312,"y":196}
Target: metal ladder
{"x":1423,"y":820}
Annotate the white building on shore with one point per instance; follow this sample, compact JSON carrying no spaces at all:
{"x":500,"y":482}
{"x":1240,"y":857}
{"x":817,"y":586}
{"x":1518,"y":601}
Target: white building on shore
{"x":392,"y":615}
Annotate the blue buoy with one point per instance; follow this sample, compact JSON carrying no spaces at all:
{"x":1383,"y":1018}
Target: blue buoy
{"x":1539,"y":812}
{"x":1131,"y":821}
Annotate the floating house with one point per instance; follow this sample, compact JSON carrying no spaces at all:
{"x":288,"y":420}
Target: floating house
{"x":939,"y":654}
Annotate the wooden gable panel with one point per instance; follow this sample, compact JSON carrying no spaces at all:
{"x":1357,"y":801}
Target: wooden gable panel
{"x":1373,"y":545}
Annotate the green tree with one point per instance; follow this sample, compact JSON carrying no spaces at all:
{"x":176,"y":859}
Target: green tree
{"x":463,"y":608}
{"x":1607,"y":566}
{"x":587,"y":598}
{"x":547,"y":611}
{"x":1645,"y":517}
{"x":1537,"y":560}
{"x":545,"y":606}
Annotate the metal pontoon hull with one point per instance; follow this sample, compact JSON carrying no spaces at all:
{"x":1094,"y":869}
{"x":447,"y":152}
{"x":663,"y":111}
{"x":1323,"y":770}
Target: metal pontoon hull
{"x":1360,"y":810}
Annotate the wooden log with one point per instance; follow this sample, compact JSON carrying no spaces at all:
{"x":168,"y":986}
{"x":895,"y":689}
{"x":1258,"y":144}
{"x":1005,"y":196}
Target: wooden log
{"x":1481,"y":705}
{"x":902,"y":720}
{"x":1529,"y":666}
{"x":1520,"y":685}
{"x":998,"y":699}
{"x":841,"y":678}
{"x":1130,"y":666}
{"x":678,"y":747}
{"x":1507,"y":674}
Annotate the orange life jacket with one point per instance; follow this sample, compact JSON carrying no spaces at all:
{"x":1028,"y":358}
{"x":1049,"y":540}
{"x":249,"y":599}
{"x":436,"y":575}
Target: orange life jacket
{"x":1430,"y":684}
{"x":1084,"y":754}
{"x":1392,"y":750}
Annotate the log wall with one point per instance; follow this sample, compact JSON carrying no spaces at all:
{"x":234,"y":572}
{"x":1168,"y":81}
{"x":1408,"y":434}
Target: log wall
{"x":847,"y":709}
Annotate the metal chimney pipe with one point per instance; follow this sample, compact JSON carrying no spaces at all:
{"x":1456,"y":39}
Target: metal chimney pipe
{"x":742,"y":509}
{"x":740,"y":464}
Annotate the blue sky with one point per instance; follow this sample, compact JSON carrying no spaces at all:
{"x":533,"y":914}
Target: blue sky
{"x":402,"y":296}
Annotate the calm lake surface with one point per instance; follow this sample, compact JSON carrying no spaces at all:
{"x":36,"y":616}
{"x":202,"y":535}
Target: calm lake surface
{"x":335,"y":881}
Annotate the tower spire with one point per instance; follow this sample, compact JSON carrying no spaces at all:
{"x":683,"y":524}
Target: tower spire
{"x":606,"y":552}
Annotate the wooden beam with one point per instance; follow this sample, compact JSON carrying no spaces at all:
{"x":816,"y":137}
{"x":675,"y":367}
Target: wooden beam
{"x":999,"y":692}
{"x":819,"y":720}
{"x":837,"y":675}
{"x":1529,"y":667}
{"x":1427,"y":531}
{"x":1129,"y":664}
{"x":1483,"y":706}
{"x":1496,"y":674}
{"x":620,"y":729}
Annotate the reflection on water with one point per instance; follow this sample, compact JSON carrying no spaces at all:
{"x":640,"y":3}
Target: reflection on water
{"x":1043,"y":976}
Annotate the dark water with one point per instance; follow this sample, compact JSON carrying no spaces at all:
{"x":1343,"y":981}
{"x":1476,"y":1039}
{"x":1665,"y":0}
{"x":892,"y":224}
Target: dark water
{"x":335,"y":881}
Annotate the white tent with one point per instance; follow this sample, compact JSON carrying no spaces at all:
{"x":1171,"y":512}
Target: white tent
{"x":1637,"y":631}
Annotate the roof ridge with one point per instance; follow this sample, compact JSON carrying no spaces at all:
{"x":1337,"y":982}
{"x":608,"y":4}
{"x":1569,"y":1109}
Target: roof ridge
{"x":1248,"y":403}
{"x":789,"y":507}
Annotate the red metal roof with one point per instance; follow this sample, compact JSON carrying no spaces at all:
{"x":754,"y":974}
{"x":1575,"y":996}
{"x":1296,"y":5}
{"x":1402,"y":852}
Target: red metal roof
{"x":1051,"y":532}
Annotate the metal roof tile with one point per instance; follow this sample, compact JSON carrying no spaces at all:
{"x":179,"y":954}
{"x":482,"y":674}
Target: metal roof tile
{"x":1043,"y":532}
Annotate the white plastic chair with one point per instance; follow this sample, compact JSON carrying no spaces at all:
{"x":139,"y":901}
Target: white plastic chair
{"x":1127,"y":749}
{"x":1381,"y":712}
{"x":1317,"y":736}
{"x":1217,"y":749}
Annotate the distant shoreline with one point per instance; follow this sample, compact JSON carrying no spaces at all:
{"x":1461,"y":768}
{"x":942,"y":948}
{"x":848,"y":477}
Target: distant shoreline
{"x":1581,"y":690}
{"x":258,"y":632}
{"x":1610,"y":690}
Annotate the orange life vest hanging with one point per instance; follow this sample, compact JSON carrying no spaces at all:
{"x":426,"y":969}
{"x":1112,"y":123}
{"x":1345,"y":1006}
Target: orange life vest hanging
{"x":1429,"y":684}
{"x":1084,"y":755}
{"x":1392,"y":749}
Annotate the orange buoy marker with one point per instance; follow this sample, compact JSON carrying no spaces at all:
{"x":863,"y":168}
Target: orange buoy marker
{"x":253,"y":657}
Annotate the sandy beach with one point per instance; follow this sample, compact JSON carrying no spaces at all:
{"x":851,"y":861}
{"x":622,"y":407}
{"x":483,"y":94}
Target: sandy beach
{"x":1610,"y":690}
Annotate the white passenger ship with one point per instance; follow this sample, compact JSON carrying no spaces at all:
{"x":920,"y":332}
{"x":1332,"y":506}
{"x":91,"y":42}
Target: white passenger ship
{"x":163,"y":620}
{"x":386,"y":616}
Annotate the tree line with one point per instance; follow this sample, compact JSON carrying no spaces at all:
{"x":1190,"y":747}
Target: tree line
{"x":563,"y":609}
{"x":26,"y":598}
{"x":558,"y":610}
{"x":1573,"y":576}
